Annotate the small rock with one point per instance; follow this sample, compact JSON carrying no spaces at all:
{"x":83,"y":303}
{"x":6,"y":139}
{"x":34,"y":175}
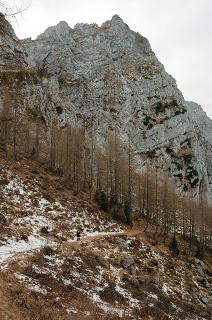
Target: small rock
{"x":127,"y":262}
{"x":132,"y":281}
{"x":122,"y":244}
{"x":28,"y":306}
{"x":198,"y":262}
{"x":205,"y":300}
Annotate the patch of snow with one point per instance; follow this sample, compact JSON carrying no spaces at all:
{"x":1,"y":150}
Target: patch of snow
{"x":153,"y":296}
{"x":35,"y":221}
{"x":54,"y":260}
{"x":166,"y":289}
{"x":66,"y":282}
{"x":13,"y":246}
{"x":75,"y":274}
{"x":43,"y":203}
{"x":151,"y":305}
{"x":43,"y":270}
{"x":134,"y":303}
{"x":30,"y":283}
{"x":105,"y":307}
{"x":71,"y":310}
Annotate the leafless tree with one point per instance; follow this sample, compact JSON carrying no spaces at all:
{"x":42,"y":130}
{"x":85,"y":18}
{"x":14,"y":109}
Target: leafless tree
{"x":12,"y":9}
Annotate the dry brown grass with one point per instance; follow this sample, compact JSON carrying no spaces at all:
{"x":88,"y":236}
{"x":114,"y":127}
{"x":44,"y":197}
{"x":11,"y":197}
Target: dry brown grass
{"x":7,"y":308}
{"x":17,"y":303}
{"x":109,"y":294}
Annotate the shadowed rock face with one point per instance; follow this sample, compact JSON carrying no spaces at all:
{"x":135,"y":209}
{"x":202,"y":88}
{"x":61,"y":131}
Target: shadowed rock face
{"x":107,"y":77}
{"x":202,"y":145}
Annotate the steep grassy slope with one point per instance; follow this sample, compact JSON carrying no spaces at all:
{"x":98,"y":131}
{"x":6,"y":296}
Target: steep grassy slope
{"x":115,"y":271}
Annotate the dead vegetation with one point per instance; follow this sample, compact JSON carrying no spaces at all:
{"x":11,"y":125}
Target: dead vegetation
{"x":63,"y":279}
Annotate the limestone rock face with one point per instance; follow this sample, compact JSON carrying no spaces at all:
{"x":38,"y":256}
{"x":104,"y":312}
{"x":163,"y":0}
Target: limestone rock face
{"x":107,"y":77}
{"x":202,"y":146}
{"x":11,"y":51}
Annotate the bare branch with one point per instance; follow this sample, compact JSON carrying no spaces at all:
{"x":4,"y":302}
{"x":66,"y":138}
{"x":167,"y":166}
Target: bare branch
{"x":12,"y":9}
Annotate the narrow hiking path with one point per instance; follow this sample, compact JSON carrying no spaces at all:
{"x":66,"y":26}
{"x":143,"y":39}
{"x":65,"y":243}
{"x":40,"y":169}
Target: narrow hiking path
{"x":98,"y":235}
{"x":13,"y":248}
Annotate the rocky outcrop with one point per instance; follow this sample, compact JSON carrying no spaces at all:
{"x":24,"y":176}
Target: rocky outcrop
{"x":202,"y":145}
{"x":107,"y":77}
{"x":11,"y":50}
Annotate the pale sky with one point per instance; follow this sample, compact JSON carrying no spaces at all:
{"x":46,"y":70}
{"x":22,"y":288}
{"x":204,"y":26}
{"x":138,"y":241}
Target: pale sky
{"x":179,"y":31}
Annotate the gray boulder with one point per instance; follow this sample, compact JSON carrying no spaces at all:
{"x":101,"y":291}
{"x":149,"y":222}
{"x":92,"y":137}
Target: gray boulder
{"x":127,"y":262}
{"x":131,"y":281}
{"x":122,"y":244}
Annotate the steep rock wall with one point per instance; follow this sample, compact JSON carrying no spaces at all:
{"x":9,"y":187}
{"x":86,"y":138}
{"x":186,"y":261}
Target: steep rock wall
{"x":108,"y":78}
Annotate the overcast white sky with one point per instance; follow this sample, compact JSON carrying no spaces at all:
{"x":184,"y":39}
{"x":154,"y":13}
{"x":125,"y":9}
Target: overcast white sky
{"x":179,"y":31}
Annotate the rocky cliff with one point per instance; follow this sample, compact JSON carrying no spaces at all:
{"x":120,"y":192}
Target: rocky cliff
{"x":107,"y":77}
{"x":11,"y":50}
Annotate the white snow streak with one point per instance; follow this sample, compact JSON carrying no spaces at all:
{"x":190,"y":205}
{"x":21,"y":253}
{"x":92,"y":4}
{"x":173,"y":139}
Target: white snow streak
{"x":13,"y":247}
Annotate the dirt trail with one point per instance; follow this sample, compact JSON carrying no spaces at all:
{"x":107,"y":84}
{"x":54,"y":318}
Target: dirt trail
{"x":18,"y":249}
{"x":84,"y":239}
{"x":129,"y":233}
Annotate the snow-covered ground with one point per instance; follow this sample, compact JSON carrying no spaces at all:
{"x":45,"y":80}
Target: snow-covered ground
{"x":12,"y":247}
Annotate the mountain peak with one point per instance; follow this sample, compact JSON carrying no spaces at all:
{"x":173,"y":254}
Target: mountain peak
{"x":117,"y":18}
{"x":116,"y":23}
{"x":60,"y":29}
{"x":63,"y":24}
